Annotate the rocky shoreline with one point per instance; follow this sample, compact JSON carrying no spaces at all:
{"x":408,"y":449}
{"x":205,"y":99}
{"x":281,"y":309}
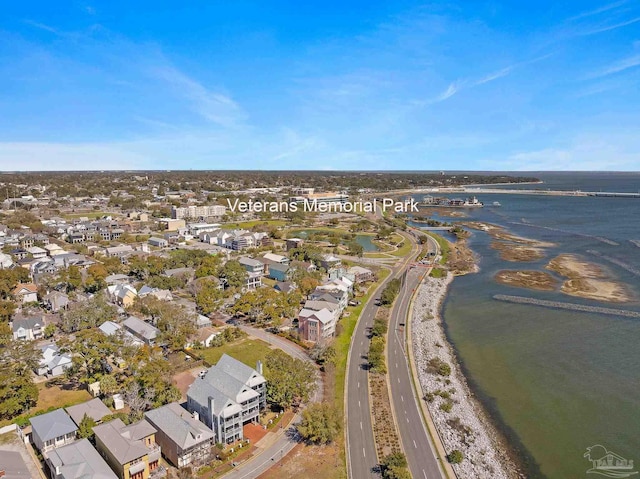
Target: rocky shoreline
{"x":461,"y":421}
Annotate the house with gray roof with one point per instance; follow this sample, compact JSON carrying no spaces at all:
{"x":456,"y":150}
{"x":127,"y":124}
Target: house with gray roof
{"x":229,"y":395}
{"x":94,"y":408}
{"x":28,"y":328}
{"x":78,"y":460}
{"x":142,"y":330}
{"x":131,"y":451}
{"x":183,"y":439}
{"x":51,"y":430}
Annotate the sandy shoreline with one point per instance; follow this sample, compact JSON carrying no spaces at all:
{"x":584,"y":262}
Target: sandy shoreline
{"x":466,"y":426}
{"x":588,"y":280}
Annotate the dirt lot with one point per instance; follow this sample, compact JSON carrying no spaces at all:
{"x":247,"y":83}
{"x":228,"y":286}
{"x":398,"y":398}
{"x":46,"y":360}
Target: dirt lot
{"x":184,"y":379}
{"x":310,"y":462}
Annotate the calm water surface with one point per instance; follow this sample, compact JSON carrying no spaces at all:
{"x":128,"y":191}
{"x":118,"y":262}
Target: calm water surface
{"x":555,"y":381}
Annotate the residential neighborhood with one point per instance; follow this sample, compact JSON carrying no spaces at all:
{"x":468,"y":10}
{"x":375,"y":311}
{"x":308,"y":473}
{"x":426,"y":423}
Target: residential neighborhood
{"x":136,"y":318}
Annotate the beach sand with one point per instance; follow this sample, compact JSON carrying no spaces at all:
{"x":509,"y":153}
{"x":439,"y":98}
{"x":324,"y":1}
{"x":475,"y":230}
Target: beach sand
{"x":588,"y":280}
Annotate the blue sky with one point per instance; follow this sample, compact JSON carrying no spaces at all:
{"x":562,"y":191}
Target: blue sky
{"x":320,"y":85}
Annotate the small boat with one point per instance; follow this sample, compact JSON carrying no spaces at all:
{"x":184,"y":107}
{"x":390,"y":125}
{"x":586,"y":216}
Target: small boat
{"x":496,"y":203}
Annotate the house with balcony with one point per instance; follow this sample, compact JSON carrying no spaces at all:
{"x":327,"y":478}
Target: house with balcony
{"x":229,"y":395}
{"x":251,"y":265}
{"x":183,"y":439}
{"x":51,"y":430}
{"x":131,"y":451}
{"x":316,"y":326}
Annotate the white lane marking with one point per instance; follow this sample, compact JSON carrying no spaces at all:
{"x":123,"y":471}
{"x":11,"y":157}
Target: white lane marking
{"x":402,"y":397}
{"x":425,"y":474}
{"x":364,"y":453}
{"x":396,"y":365}
{"x":361,"y":425}
{"x":414,"y":444}
{"x":359,"y":403}
{"x":398,"y":379}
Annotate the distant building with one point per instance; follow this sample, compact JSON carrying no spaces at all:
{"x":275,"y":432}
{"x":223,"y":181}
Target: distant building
{"x":212,"y":211}
{"x":158,"y":242}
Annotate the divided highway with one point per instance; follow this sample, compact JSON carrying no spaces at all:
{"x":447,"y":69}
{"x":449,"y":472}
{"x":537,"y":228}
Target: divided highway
{"x":362,"y":461}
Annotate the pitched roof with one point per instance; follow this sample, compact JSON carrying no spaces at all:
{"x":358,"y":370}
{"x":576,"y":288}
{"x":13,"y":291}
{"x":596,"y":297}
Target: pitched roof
{"x":27,"y":323}
{"x":141,"y":327}
{"x":93,"y":408}
{"x":30,"y":287}
{"x":234,"y":368}
{"x":200,"y":391}
{"x":79,"y":460}
{"x":178,"y":424}
{"x":52,"y":424}
{"x":124,"y":442}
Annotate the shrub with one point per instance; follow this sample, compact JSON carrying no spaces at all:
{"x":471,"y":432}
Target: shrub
{"x":446,"y":406}
{"x":438,"y":366}
{"x":455,"y":457}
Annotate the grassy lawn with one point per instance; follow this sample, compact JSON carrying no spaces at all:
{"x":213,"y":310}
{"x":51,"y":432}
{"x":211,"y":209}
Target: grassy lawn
{"x":56,"y":396}
{"x":404,"y":250}
{"x":249,"y":351}
{"x":251,"y":224}
{"x":444,"y":247}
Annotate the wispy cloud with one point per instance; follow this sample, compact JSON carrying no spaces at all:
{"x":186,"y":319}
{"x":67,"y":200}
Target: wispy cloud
{"x":214,"y":106}
{"x":618,"y":67}
{"x":42,"y":26}
{"x":494,"y":76}
{"x":597,"y":11}
{"x":606,"y":28}
{"x":451,"y":90}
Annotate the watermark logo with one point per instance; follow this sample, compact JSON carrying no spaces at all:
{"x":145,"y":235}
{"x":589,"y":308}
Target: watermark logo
{"x":608,"y":463}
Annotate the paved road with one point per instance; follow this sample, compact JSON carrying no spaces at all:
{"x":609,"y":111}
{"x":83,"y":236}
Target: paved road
{"x":422,"y":459}
{"x":287,"y":440}
{"x":361,"y":450}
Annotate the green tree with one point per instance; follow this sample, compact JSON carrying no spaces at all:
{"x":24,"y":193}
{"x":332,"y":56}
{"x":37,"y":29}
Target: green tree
{"x":234,"y":273}
{"x":376,"y":357}
{"x":49,"y":330}
{"x":390,"y":292}
{"x":320,"y":423}
{"x":290,"y":381}
{"x":88,"y":314}
{"x":355,"y":248}
{"x":209,"y":297}
{"x":394,"y":466}
{"x":85,"y":428}
{"x":18,"y":392}
{"x":109,"y":385}
{"x":209,"y":266}
{"x":7,"y":308}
